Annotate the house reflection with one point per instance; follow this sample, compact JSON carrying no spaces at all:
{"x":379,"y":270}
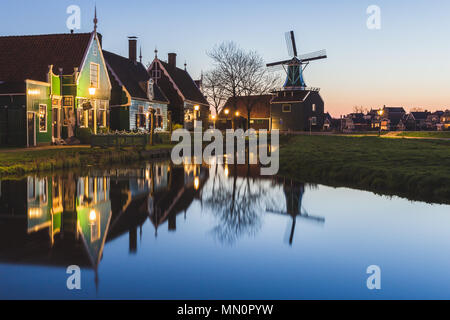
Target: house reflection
{"x":66,"y":220}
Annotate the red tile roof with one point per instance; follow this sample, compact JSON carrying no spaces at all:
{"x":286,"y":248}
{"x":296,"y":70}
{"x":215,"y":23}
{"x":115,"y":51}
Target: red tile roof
{"x":28,"y":57}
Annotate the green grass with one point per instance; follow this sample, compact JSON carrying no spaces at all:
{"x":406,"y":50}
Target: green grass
{"x":23,"y":162}
{"x":425,"y":134}
{"x":417,"y":169}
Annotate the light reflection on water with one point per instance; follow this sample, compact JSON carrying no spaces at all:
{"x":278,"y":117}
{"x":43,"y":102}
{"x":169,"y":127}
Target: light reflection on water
{"x":160,"y":231}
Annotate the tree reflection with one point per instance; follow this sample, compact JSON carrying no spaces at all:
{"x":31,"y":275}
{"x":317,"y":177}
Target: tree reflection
{"x":234,"y":199}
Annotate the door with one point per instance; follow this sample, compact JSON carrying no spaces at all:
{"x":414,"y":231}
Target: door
{"x":31,"y":129}
{"x":55,"y":123}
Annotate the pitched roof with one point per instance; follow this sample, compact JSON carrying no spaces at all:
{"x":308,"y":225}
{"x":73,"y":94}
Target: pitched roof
{"x":422,"y":115}
{"x":395,"y":109}
{"x":185,"y":84}
{"x":133,"y":76}
{"x":260,"y":105}
{"x":28,"y":57}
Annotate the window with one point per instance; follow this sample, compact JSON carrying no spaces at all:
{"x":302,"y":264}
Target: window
{"x":42,"y":118}
{"x":101,"y":115}
{"x":140,"y":117}
{"x":68,"y":101}
{"x":314,"y":107}
{"x":286,"y":108}
{"x":158,"y":118}
{"x":94,"y":75}
{"x":313,"y":121}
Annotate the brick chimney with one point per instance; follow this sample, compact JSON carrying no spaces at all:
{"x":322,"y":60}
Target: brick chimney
{"x":172,"y":60}
{"x":132,"y":49}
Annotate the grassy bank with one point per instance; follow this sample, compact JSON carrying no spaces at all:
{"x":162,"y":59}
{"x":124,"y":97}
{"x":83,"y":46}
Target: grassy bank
{"x":425,"y":134}
{"x":417,"y":169}
{"x":28,"y":161}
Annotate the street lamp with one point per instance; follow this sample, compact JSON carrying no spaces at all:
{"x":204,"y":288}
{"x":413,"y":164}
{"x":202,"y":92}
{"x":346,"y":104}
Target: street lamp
{"x":380,"y":113}
{"x":213,"y":117}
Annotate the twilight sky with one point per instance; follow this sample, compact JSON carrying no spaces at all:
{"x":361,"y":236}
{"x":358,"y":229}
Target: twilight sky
{"x":405,"y":63}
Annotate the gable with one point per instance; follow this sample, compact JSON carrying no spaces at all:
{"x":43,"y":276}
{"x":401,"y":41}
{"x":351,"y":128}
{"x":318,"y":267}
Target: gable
{"x":94,"y":57}
{"x":182,"y":82}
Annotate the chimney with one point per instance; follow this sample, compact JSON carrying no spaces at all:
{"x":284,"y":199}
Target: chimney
{"x":172,"y":60}
{"x":132,"y":49}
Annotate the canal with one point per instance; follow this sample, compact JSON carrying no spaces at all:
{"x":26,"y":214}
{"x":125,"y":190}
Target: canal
{"x":159,"y":231}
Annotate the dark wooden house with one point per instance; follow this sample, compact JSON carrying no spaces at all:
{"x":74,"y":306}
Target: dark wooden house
{"x":297,"y":110}
{"x":186,"y":101}
{"x":134,"y":94}
{"x":257,"y":107}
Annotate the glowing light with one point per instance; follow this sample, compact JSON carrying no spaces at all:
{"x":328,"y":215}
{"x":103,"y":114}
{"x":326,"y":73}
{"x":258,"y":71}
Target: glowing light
{"x":34,"y":213}
{"x":197,"y":107}
{"x":33,"y":92}
{"x":213,"y":117}
{"x":92,"y":90}
{"x":380,"y":112}
{"x":92,"y":216}
{"x":237,"y":113}
{"x":227,"y":111}
{"x":226,"y":171}
{"x":196,"y":183}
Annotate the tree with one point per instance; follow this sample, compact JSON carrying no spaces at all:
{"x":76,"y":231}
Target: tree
{"x":213,"y":90}
{"x":239,"y":73}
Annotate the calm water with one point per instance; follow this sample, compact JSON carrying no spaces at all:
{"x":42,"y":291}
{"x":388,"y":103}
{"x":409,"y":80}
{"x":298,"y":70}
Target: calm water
{"x":166,"y":232}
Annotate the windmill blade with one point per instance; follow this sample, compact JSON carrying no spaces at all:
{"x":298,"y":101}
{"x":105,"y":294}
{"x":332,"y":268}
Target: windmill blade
{"x":305,"y":215}
{"x":289,"y":232}
{"x":322,"y":54}
{"x":278,"y":63}
{"x":293,"y":43}
{"x":290,"y":47}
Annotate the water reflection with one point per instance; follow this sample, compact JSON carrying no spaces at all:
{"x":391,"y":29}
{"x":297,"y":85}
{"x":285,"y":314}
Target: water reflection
{"x":210,"y":220}
{"x":70,"y":217}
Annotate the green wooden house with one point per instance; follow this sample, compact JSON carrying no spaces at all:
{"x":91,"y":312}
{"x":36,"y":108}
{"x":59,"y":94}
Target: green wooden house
{"x":52,"y":87}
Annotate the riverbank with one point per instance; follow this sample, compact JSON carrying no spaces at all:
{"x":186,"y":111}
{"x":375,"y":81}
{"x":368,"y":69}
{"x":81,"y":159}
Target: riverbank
{"x":416,"y":169}
{"x":15,"y":162}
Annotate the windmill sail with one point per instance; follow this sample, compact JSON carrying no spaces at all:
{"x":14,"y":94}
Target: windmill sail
{"x":289,"y":44}
{"x":322,"y":54}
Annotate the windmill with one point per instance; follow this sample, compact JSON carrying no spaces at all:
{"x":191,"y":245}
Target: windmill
{"x":295,"y":66}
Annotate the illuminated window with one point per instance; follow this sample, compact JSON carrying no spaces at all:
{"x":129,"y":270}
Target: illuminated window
{"x":101,"y":114}
{"x":314,"y":107}
{"x":94,"y":74}
{"x":140,"y":117}
{"x":42,"y":118}
{"x":286,"y":108}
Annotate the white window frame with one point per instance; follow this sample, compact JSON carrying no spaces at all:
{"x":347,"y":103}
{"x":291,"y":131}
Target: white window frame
{"x":39,"y":118}
{"x":97,"y":84}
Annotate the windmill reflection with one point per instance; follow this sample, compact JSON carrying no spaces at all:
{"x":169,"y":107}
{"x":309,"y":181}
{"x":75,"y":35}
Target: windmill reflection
{"x":294,"y":192}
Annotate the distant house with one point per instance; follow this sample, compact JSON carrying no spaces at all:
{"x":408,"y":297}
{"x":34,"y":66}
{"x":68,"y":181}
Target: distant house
{"x":134,"y":94}
{"x":433,"y":120}
{"x":391,"y":118}
{"x":297,"y":110}
{"x":356,"y":122}
{"x":416,"y":120}
{"x":186,"y":101}
{"x":445,"y":121}
{"x":51,"y":86}
{"x":259,"y":106}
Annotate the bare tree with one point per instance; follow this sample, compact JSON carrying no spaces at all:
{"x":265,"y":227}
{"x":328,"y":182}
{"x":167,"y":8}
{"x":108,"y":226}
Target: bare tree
{"x":257,"y":81}
{"x":239,"y":73}
{"x":214,"y":91}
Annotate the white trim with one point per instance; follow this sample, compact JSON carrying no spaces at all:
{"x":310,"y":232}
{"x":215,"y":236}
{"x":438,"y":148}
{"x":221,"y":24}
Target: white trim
{"x":46,"y":117}
{"x":98,"y":73}
{"x":39,"y":83}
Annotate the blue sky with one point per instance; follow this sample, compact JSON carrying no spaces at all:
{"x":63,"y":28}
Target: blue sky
{"x":404,"y":63}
